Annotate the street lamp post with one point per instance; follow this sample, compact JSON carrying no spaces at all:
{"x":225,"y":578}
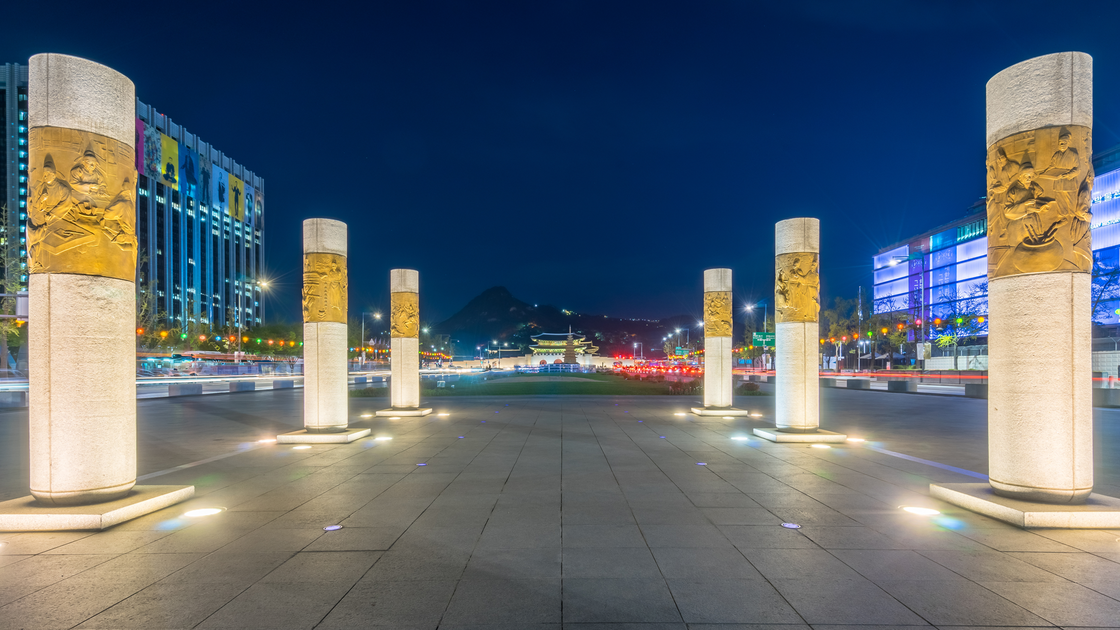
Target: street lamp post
{"x":375,"y":316}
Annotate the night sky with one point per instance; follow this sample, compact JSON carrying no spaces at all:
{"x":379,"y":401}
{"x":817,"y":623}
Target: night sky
{"x":596,"y":155}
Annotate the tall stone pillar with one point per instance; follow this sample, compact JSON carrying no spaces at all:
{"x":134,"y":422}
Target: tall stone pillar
{"x":718,"y":387}
{"x":404,"y":345}
{"x":81,"y":242}
{"x":326,"y":401}
{"x":1040,"y":415}
{"x":797,"y":305}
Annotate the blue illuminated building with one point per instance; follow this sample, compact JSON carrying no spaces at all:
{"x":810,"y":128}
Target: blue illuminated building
{"x":943,"y":273}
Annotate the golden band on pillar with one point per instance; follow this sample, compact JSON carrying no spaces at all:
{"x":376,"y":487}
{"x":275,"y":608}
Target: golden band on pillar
{"x":797,"y":287}
{"x":1040,"y":187}
{"x":717,"y":314}
{"x":405,"y":318}
{"x":324,"y":288}
{"x":81,"y":212}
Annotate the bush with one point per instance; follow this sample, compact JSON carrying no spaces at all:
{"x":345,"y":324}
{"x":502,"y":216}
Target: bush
{"x":748,"y":387}
{"x":427,"y":383}
{"x":658,"y":378}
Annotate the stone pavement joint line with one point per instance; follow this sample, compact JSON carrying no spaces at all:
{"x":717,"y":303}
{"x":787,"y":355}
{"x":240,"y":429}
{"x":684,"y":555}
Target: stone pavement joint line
{"x":559,"y":512}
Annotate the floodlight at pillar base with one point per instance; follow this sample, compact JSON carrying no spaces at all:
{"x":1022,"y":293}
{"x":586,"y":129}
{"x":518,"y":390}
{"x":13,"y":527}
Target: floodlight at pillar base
{"x":303,"y":436}
{"x":719,"y":411}
{"x":405,"y":411}
{"x":819,"y":436}
{"x":25,"y":514}
{"x":1097,"y":512}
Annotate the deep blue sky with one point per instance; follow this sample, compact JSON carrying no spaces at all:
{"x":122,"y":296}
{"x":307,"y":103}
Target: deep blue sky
{"x":595,"y":155}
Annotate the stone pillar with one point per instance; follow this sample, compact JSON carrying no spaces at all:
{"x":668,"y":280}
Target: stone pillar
{"x":1040,"y":182}
{"x":326,"y":400}
{"x":404,"y":328}
{"x":797,"y":288}
{"x":81,"y":243}
{"x":718,"y":390}
{"x":797,"y":305}
{"x":325,"y":396}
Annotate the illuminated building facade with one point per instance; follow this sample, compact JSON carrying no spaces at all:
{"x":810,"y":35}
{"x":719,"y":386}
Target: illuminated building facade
{"x":200,"y":223}
{"x":943,"y":273}
{"x":13,"y":169}
{"x":562,"y":348}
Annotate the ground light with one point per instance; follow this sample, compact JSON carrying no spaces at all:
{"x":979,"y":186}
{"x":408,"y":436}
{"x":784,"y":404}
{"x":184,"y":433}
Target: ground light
{"x":332,"y":528}
{"x":443,"y":415}
{"x":921,"y":511}
{"x":203,"y":512}
{"x":728,"y":417}
{"x":756,"y":415}
{"x":741,"y":438}
{"x":791,"y":526}
{"x":856,"y":440}
{"x":679,"y":414}
{"x":300,"y":448}
{"x":267,"y":441}
{"x":366,"y":415}
{"x":821,"y":446}
{"x":395,"y":418}
{"x":382,"y":438}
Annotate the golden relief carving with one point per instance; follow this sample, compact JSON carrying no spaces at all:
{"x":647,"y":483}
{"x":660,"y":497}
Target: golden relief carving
{"x":324,"y":288}
{"x":1040,"y":184}
{"x":405,"y":319}
{"x":797,"y":287}
{"x":81,"y":210}
{"x":717,"y":314}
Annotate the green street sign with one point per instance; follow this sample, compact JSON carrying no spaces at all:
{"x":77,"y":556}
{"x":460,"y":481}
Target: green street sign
{"x":763,"y":338}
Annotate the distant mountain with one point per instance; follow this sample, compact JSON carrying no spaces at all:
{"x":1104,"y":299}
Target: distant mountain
{"x":496,"y":314}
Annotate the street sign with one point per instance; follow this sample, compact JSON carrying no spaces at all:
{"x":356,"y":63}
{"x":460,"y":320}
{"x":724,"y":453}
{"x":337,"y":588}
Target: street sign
{"x":763,"y":338}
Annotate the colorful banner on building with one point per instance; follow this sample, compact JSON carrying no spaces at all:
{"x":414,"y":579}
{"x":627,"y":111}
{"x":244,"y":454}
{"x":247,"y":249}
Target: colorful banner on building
{"x":250,"y":203}
{"x":260,"y":208}
{"x":153,"y":147}
{"x":188,"y":172}
{"x":236,"y":198}
{"x":205,"y":176}
{"x":169,"y":162}
{"x":140,"y":146}
{"x":220,"y":191}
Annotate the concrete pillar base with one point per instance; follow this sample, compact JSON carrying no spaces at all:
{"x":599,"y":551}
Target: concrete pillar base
{"x":1098,"y":512}
{"x":720,"y":411}
{"x":405,"y":411}
{"x":25,"y":514}
{"x":344,"y":435}
{"x":793,"y":436}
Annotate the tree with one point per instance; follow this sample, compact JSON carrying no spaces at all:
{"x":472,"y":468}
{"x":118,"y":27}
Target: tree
{"x":10,"y":286}
{"x":1106,"y":286}
{"x":966,"y":319}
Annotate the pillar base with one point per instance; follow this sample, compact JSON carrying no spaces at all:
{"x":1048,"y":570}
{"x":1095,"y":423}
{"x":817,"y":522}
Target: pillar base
{"x":404,"y":411}
{"x":303,"y":436}
{"x":719,"y":411}
{"x":25,"y":514}
{"x":799,"y":437}
{"x":1098,"y":512}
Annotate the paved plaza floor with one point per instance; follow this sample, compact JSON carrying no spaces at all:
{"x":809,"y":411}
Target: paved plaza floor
{"x":560,"y":512}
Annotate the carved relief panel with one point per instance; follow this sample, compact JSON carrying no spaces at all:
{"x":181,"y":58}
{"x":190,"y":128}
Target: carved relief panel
{"x":797,"y":287}
{"x":717,"y":314}
{"x":324,"y":288}
{"x":405,"y":321}
{"x":81,"y":204}
{"x":1040,"y":184}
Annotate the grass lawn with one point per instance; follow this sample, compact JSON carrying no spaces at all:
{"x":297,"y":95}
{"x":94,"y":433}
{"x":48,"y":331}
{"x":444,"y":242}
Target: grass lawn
{"x":538,"y":385}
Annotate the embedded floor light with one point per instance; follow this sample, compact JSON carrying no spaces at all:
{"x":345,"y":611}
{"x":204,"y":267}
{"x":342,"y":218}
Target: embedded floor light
{"x":332,"y":528}
{"x":395,"y":418}
{"x":203,"y":512}
{"x":300,"y":448}
{"x":382,"y":438}
{"x":443,"y":415}
{"x":729,"y":417}
{"x":421,"y":464}
{"x":756,"y":415}
{"x":679,"y":414}
{"x":366,"y":415}
{"x":821,"y":446}
{"x":741,"y":438}
{"x":791,"y":526}
{"x":856,"y":440}
{"x":701,"y":463}
{"x":921,"y":511}
{"x":266,"y":441}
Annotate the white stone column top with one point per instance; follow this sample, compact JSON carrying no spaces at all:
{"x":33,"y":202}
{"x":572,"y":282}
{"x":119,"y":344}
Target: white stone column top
{"x":717,"y":279}
{"x":404,"y":281}
{"x":75,"y":93}
{"x":797,"y":236}
{"x":1046,"y":91}
{"x":324,"y":236}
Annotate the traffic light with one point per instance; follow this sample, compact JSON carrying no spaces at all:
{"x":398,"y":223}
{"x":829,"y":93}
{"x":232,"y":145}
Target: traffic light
{"x":937,"y":322}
